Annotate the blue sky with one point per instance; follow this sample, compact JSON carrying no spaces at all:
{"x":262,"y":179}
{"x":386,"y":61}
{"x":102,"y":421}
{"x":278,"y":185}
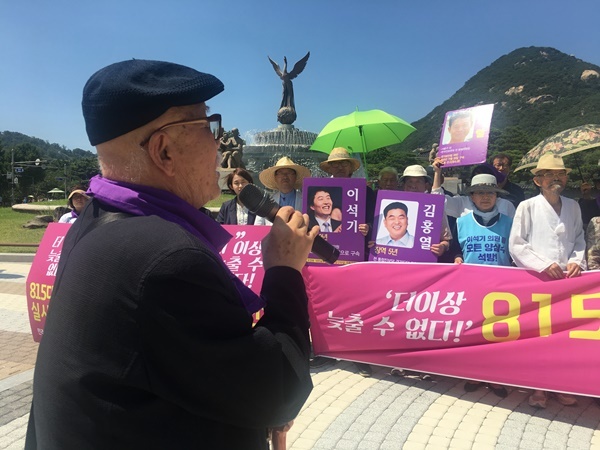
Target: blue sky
{"x":399,"y":56}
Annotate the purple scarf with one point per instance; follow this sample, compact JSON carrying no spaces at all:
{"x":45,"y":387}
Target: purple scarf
{"x":141,"y":200}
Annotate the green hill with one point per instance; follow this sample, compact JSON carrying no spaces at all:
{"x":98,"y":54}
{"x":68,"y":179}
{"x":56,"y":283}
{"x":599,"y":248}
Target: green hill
{"x":58,"y":166}
{"x":537,"y":91}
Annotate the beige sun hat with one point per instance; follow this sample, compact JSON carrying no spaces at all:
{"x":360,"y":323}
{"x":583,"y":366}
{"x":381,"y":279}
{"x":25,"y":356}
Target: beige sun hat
{"x":340,"y":154}
{"x":550,"y":161}
{"x":485,"y":182}
{"x":73,"y":193}
{"x":415,"y":170}
{"x":267,"y":176}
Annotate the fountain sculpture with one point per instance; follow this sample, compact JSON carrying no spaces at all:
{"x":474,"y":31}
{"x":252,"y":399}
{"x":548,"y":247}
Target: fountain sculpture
{"x":266,"y":147}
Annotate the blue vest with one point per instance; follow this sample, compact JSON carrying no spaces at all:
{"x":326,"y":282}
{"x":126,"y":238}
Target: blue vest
{"x":484,"y":245}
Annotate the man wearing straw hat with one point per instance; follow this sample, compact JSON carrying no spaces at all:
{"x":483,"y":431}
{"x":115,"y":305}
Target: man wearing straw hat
{"x":285,"y":177}
{"x":547,"y":236}
{"x":340,"y":164}
{"x":547,"y":233}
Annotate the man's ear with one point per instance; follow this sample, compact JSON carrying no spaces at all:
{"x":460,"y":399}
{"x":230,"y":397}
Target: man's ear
{"x":535,"y":180}
{"x":160,"y":151}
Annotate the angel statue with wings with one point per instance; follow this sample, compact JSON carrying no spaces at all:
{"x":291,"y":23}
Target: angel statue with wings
{"x":287,"y":110}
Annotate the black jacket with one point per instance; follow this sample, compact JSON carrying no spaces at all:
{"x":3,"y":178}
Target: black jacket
{"x":147,"y":345}
{"x":228,"y":213}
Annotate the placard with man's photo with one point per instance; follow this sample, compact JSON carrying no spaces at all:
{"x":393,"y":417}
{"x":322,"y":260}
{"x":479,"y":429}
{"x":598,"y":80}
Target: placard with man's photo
{"x":406,"y":225}
{"x":337,"y":206}
{"x":465,"y":136}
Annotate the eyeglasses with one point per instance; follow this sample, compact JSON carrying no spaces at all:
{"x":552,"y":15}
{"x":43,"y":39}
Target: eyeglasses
{"x":336,"y":164}
{"x":213,"y":122}
{"x":484,"y":193}
{"x":553,"y":174}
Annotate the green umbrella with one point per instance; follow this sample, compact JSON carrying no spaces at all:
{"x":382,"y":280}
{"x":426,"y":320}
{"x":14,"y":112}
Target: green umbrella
{"x":564,"y":143}
{"x":362,"y":132}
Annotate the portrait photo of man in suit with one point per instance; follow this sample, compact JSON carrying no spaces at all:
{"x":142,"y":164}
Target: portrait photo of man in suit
{"x":320,"y":209}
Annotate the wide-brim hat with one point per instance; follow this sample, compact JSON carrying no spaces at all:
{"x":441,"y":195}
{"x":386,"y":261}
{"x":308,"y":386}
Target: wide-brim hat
{"x":550,"y":161}
{"x":485,"y":182}
{"x":267,"y":176}
{"x":340,"y":154}
{"x":415,"y":171}
{"x":77,"y":191}
{"x":73,"y":194}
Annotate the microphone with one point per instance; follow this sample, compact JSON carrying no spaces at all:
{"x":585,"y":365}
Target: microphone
{"x":261,"y":204}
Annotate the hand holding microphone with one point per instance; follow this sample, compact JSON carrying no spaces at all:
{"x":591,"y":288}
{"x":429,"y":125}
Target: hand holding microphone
{"x":263,"y":205}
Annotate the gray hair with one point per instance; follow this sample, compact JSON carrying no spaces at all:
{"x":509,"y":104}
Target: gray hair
{"x":388,"y":170}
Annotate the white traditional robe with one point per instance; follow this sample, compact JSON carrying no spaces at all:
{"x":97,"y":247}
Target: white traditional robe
{"x":540,"y":237}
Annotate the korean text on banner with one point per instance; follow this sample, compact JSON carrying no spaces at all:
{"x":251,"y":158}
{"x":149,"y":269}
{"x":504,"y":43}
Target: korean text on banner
{"x":498,"y":324}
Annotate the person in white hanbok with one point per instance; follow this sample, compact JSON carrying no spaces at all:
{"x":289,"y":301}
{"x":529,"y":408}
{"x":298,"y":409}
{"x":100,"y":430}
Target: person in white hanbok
{"x":547,"y":236}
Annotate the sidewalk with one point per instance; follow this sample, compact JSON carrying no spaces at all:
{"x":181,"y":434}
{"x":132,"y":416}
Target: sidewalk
{"x":345,"y":410}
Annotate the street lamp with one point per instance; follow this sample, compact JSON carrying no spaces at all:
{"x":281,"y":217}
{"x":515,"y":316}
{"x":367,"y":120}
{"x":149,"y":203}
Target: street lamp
{"x":35,"y":163}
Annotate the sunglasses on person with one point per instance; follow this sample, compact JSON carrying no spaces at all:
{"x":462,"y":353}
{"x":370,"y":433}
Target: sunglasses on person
{"x":213,"y":122}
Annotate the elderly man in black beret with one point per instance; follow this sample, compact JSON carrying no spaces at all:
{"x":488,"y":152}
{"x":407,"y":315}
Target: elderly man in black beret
{"x":149,"y":340}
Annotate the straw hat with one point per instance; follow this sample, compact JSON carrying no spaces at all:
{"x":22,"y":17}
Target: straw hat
{"x":550,"y":161}
{"x":415,"y":171}
{"x":340,"y":154}
{"x":77,"y":191}
{"x":485,"y":182}
{"x":267,"y":176}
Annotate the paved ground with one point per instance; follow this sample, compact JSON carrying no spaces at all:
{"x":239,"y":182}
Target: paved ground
{"x":345,"y":410}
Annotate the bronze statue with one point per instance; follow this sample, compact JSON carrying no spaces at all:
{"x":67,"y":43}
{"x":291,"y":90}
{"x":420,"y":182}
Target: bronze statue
{"x":232,"y":146}
{"x":433,"y":153}
{"x":287,"y":110}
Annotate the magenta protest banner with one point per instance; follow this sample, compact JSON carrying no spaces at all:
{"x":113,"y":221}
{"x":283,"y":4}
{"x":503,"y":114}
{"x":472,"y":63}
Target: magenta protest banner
{"x":40,"y":280}
{"x":497,"y":324}
{"x":242,"y":254}
{"x":465,"y":136}
{"x":338,"y":207}
{"x":406,"y":224}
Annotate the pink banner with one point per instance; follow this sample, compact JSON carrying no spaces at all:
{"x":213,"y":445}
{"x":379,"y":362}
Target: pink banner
{"x":499,"y":324}
{"x":243,"y":256}
{"x":42,"y":274}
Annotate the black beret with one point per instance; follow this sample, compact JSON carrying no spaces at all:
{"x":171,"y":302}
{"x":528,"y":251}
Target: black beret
{"x":126,"y":95}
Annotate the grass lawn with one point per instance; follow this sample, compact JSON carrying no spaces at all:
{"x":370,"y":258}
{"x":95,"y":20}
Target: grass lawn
{"x":12,"y":231}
